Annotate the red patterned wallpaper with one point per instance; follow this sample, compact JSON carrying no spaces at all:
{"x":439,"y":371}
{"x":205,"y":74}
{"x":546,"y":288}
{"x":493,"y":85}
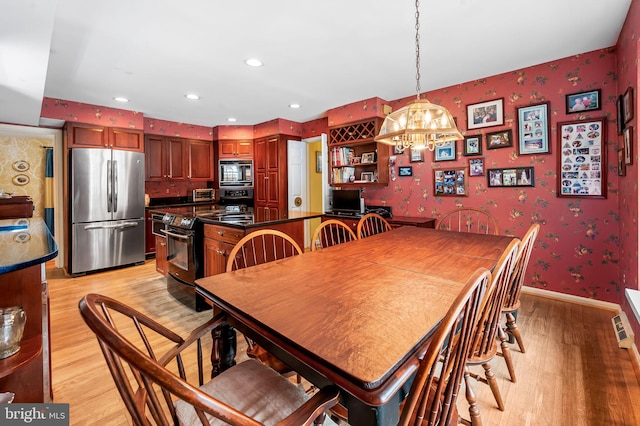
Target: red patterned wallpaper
{"x":356,"y":111}
{"x":93,"y":114}
{"x":315,"y":128}
{"x":182,"y":130}
{"x":279,"y":126}
{"x":628,"y":53}
{"x":577,"y":251}
{"x":232,"y":132}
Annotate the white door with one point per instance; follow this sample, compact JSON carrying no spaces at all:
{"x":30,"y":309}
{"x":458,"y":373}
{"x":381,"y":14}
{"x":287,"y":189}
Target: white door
{"x":297,"y":176}
{"x":300,"y":197}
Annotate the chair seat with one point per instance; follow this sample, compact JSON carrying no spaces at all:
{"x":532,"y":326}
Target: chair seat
{"x":264,"y":395}
{"x":485,"y":357}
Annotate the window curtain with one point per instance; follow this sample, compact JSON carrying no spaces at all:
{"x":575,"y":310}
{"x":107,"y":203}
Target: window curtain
{"x":48,"y":191}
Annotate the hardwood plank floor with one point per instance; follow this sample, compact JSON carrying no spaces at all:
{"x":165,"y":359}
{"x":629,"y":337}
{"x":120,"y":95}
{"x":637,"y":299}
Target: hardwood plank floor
{"x":573,"y":371}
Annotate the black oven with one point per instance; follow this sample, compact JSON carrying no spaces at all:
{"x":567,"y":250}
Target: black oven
{"x":184,"y":263}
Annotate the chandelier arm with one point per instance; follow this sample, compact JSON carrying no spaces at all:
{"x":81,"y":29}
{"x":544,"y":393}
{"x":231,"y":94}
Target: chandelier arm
{"x":417,"y":49}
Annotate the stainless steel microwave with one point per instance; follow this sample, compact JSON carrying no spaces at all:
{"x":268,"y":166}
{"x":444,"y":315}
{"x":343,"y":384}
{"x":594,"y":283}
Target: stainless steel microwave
{"x":236,"y":173}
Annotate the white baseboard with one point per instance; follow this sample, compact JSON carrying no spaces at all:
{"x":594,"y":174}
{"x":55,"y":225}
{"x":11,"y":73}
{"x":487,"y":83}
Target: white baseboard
{"x":573,"y":299}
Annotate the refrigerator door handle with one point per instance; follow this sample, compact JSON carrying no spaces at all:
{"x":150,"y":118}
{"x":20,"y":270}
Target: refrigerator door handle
{"x":109,"y":186}
{"x":120,"y":225}
{"x":115,"y":186}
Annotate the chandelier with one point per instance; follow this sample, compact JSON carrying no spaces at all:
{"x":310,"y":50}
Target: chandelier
{"x":420,"y":124}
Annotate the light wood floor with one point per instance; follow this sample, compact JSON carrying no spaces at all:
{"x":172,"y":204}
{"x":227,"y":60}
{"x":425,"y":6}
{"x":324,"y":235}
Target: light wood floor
{"x":572,"y":374}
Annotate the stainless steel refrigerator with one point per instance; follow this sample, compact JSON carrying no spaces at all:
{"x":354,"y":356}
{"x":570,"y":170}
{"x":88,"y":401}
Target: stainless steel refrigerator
{"x":107,"y":209}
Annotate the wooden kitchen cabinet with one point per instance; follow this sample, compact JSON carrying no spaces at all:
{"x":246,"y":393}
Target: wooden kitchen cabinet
{"x":81,"y":135}
{"x":270,"y":164}
{"x":178,"y":159}
{"x":235,"y":148}
{"x":161,"y":255}
{"x":218,"y":243}
{"x":200,"y":157}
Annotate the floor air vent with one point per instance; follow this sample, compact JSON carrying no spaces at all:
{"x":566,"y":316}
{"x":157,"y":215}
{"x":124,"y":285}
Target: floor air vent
{"x":623,"y":330}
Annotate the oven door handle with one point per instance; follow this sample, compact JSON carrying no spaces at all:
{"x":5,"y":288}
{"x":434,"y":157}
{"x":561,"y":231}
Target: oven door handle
{"x":174,"y":235}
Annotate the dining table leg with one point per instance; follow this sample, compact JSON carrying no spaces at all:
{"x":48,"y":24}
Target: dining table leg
{"x":223,"y":351}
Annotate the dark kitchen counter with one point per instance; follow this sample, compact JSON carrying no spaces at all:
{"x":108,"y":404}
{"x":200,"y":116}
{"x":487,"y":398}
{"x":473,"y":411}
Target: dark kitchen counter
{"x":24,"y":243}
{"x":217,"y":215}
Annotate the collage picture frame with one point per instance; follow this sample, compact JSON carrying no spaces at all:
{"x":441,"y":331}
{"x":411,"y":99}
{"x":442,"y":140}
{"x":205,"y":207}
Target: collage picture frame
{"x":533,"y":129}
{"x":582,"y":158}
{"x":510,"y":177}
{"x":450,"y":182}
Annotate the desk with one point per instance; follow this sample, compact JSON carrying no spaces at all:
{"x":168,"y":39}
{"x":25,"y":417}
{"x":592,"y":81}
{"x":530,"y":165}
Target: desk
{"x":357,"y":314}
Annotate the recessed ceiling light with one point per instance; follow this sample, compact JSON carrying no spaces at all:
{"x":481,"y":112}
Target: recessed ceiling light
{"x":192,"y":96}
{"x":232,"y":119}
{"x":121,"y":99}
{"x":294,"y":106}
{"x":253,"y":62}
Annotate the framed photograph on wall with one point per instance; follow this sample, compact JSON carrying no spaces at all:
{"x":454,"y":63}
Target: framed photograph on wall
{"x":533,"y":129}
{"x":450,"y":182}
{"x":627,"y":138}
{"x":405,"y":171}
{"x":476,"y":166}
{"x":416,"y":155}
{"x":485,"y":114}
{"x":582,"y":159}
{"x":318,"y":161}
{"x":583,"y":101}
{"x":619,"y":114}
{"x":445,"y":152}
{"x":501,"y":139}
{"x":472,"y":145}
{"x":627,"y":105}
{"x":512,"y":176}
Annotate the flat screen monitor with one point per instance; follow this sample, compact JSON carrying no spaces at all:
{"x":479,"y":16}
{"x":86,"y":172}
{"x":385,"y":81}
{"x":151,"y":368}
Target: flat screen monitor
{"x":346,"y":200}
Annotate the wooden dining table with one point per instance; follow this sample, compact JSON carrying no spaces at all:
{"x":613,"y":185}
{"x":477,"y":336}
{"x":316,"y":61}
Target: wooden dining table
{"x":359,"y":314}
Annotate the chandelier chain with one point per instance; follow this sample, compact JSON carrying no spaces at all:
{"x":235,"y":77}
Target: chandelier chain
{"x":418,"y":49}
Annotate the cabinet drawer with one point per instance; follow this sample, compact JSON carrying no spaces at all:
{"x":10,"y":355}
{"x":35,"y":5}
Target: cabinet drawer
{"x":223,"y":233}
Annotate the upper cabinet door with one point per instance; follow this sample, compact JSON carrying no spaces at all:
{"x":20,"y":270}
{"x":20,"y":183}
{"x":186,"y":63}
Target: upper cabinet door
{"x":126,"y":139}
{"x":177,"y":161}
{"x":155,"y":158}
{"x":200,"y":160}
{"x":86,"y":136}
{"x":235,"y":148}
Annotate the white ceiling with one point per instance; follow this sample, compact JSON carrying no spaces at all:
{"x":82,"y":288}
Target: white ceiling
{"x":319,"y":54}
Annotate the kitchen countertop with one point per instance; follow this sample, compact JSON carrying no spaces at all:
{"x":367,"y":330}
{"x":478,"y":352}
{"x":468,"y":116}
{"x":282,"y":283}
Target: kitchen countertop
{"x":215,"y":214}
{"x":24,"y":243}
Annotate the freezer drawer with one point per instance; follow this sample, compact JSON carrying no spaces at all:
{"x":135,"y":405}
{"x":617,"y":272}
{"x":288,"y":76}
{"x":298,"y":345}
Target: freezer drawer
{"x":100,"y":245}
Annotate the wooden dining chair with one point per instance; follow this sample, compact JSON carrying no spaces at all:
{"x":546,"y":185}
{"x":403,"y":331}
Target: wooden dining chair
{"x":258,"y":247}
{"x":331,"y":232}
{"x":485,"y":335}
{"x":512,"y":301}
{"x":156,"y":378}
{"x":432,"y":397}
{"x":255,"y":248}
{"x":371,"y":224}
{"x":468,"y":220}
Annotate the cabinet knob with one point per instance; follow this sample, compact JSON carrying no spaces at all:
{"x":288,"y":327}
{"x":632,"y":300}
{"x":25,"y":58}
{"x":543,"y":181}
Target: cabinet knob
{"x":221,"y":233}
{"x":220,"y":252}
